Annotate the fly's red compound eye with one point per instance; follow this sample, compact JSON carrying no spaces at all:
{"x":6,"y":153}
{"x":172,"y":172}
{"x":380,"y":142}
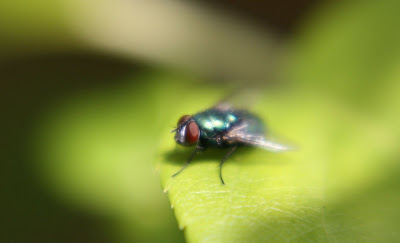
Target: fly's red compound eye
{"x":192,"y":133}
{"x":184,"y":119}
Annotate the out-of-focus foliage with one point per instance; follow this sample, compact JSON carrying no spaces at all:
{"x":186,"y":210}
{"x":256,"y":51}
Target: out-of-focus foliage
{"x":97,"y":152}
{"x":33,"y":27}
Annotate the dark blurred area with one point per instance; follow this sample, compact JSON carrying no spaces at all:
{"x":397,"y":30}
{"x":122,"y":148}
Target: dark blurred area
{"x":30,"y":213}
{"x":281,"y":16}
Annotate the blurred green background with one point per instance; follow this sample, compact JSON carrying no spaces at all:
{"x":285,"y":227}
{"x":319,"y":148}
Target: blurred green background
{"x":90,"y":90}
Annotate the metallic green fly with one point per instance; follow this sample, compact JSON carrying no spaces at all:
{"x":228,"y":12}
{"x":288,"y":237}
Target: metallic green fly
{"x":222,"y":126}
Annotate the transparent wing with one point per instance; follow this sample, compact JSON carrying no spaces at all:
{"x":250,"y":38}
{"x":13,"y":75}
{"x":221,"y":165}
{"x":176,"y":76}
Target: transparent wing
{"x":240,"y":134}
{"x":243,"y":98}
{"x":223,"y":106}
{"x":265,"y":144}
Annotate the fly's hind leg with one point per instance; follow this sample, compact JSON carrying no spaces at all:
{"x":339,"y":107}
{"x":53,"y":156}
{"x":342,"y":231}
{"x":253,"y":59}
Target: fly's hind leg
{"x":222,"y":162}
{"x":196,"y":150}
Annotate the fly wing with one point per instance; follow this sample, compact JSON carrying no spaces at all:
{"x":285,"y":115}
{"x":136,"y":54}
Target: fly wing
{"x":243,"y":99}
{"x":223,"y":106}
{"x":265,"y":144}
{"x":240,"y":134}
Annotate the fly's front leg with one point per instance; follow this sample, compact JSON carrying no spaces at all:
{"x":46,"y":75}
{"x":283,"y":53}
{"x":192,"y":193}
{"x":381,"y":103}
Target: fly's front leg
{"x":196,"y":150}
{"x":222,"y":162}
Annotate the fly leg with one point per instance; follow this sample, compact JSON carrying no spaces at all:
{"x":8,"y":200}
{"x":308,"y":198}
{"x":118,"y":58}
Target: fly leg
{"x":196,"y":150}
{"x":222,"y":162}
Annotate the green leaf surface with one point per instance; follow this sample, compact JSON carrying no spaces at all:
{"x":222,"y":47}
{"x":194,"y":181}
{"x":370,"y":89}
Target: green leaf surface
{"x":340,"y":185}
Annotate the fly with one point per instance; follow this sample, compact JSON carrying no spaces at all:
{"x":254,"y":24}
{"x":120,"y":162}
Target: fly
{"x":222,"y":126}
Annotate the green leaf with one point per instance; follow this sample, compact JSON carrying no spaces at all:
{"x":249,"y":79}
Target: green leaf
{"x":310,"y":194}
{"x":341,"y":183}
